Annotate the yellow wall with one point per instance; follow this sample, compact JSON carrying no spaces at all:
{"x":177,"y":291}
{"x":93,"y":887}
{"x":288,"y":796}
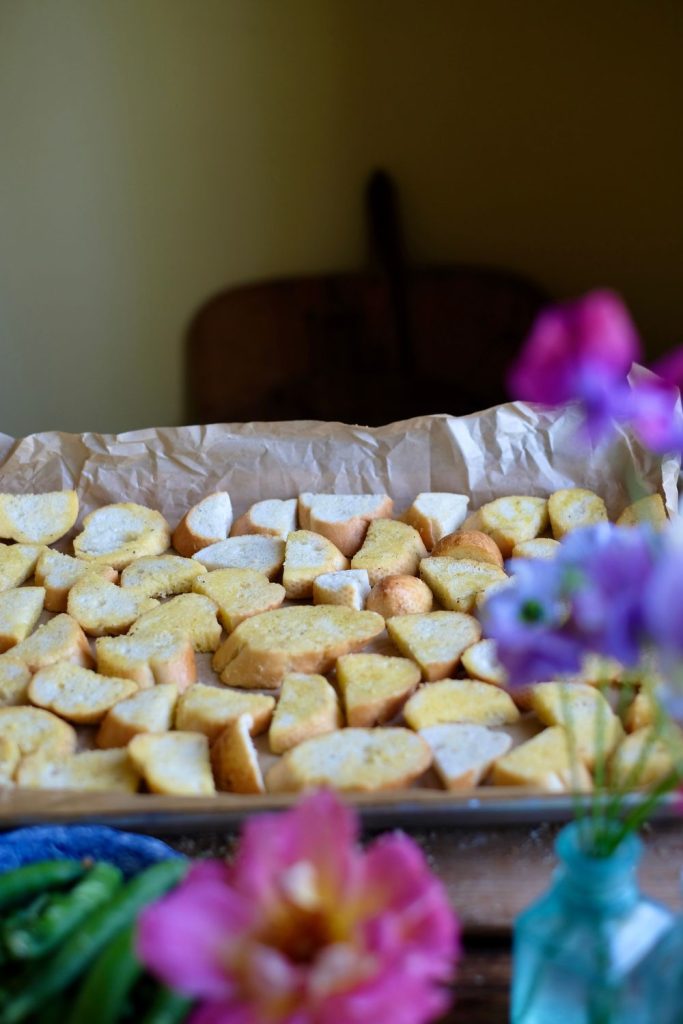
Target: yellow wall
{"x":152,"y":151}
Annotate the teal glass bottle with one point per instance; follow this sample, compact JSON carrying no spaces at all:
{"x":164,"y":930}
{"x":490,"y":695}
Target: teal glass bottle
{"x":593,"y":949}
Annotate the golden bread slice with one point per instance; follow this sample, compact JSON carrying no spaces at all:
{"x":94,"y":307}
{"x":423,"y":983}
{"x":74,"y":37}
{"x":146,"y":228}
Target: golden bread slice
{"x":539,"y":547}
{"x":349,"y":587}
{"x":14,"y":679}
{"x":472,"y":545}
{"x":435,"y":514}
{"x":646,"y":510}
{"x":149,"y":710}
{"x":58,"y":573}
{"x":463,"y":753}
{"x":274,"y":517}
{"x":456,"y":582}
{"x":9,"y":759}
{"x":375,"y":687}
{"x":251,"y":551}
{"x":644,"y":758}
{"x":19,"y":612}
{"x":308,"y":706}
{"x":148,"y":659}
{"x":480,"y":661}
{"x":17,"y":563}
{"x":642,"y":711}
{"x":308,"y":555}
{"x":390,"y":548}
{"x":239,"y":594}
{"x":175,"y":763}
{"x":60,"y":639}
{"x":37,"y":518}
{"x":161,"y":575}
{"x":110,"y":771}
{"x":207,"y":522}
{"x":400,"y":595}
{"x":512,"y":519}
{"x":572,"y":507}
{"x":34,"y":729}
{"x":459,"y":700}
{"x":77,"y":693}
{"x":102,"y":608}
{"x":436,"y":641}
{"x":343,"y":518}
{"x":117,"y":534}
{"x":592,"y":727}
{"x":543,"y":762}
{"x":234,"y":759}
{"x":303,"y":638}
{"x":191,"y":614}
{"x":361,"y":760}
{"x":208,"y":709}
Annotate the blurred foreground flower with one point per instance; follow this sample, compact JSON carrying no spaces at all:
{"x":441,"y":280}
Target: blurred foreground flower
{"x":305,"y":928}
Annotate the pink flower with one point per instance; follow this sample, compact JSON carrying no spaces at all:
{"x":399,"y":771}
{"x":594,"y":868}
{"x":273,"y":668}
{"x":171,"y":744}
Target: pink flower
{"x":305,"y":928}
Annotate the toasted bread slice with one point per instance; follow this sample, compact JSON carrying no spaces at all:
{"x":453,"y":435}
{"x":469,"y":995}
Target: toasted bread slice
{"x":60,"y":639}
{"x":76,"y":693}
{"x":208,"y":709}
{"x":390,"y":548}
{"x":262,"y":650}
{"x":513,"y":519}
{"x":349,"y":588}
{"x":363,"y":760}
{"x":263,"y":554}
{"x":592,"y":727}
{"x":117,"y":534}
{"x":436,"y":641}
{"x":480,"y":661}
{"x":644,"y":758}
{"x":539,"y":547}
{"x":456,"y":582}
{"x":573,"y":507}
{"x":375,"y":687}
{"x":472,"y":545}
{"x":37,"y":518}
{"x":273,"y":517}
{"x":234,"y":759}
{"x":207,"y":522}
{"x":191,"y":614}
{"x":175,"y":763}
{"x":543,"y":762}
{"x":308,"y":706}
{"x":646,"y":510}
{"x":14,"y":679}
{"x":102,"y":608}
{"x":435,"y":514}
{"x":459,"y":700}
{"x":17,"y":563}
{"x":148,"y":659}
{"x":34,"y":729}
{"x":19,"y":612}
{"x":149,"y":710}
{"x":9,"y":759}
{"x":58,"y":573}
{"x":161,"y":576}
{"x":343,"y":518}
{"x":308,"y":555}
{"x":641,"y":713}
{"x":109,"y":771}
{"x":400,"y":595}
{"x":463,"y":754}
{"x":239,"y":594}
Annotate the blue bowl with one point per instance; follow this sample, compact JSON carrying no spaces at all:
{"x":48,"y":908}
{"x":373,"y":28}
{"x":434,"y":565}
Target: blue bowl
{"x":127,"y":850}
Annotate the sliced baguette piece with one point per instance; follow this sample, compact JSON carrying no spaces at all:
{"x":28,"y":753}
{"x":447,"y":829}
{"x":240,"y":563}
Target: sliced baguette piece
{"x":161,"y":575}
{"x":234,"y":759}
{"x":456,"y":582}
{"x":459,"y":700}
{"x":102,"y":608}
{"x":349,"y":588}
{"x":14,"y":679}
{"x":572,"y":507}
{"x":148,"y":659}
{"x":149,"y":710}
{"x":543,"y":762}
{"x":343,"y":518}
{"x":58,"y":573}
{"x":191,"y":614}
{"x":303,"y":638}
{"x":400,"y":595}
{"x":463,"y":754}
{"x":34,"y":729}
{"x":512,"y":519}
{"x":472,"y":545}
{"x":37,"y":518}
{"x":9,"y":759}
{"x":308,"y":706}
{"x":77,"y":694}
{"x":207,"y":522}
{"x":274,"y":517}
{"x":209,"y":709}
{"x":19,"y":612}
{"x":239,"y":594}
{"x":60,"y":639}
{"x":435,"y":641}
{"x":435,"y":514}
{"x":375,"y":686}
{"x":117,"y":534}
{"x":17,"y":563}
{"x":480,"y":661}
{"x":644,"y":758}
{"x":363,"y":760}
{"x":592,"y":727}
{"x":175,"y":763}
{"x":263,"y":554}
{"x":539,"y":547}
{"x":108,"y":771}
{"x":390,"y":548}
{"x":307,"y":556}
{"x":646,"y":510}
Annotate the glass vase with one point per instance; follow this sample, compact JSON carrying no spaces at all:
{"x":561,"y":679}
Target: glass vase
{"x":593,"y":949}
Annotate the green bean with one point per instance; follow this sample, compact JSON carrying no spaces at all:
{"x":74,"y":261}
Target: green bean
{"x":20,"y":918}
{"x":21,"y":884}
{"x":75,"y":955}
{"x":63,"y":913}
{"x":168,"y":1007}
{"x":102,"y":995}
